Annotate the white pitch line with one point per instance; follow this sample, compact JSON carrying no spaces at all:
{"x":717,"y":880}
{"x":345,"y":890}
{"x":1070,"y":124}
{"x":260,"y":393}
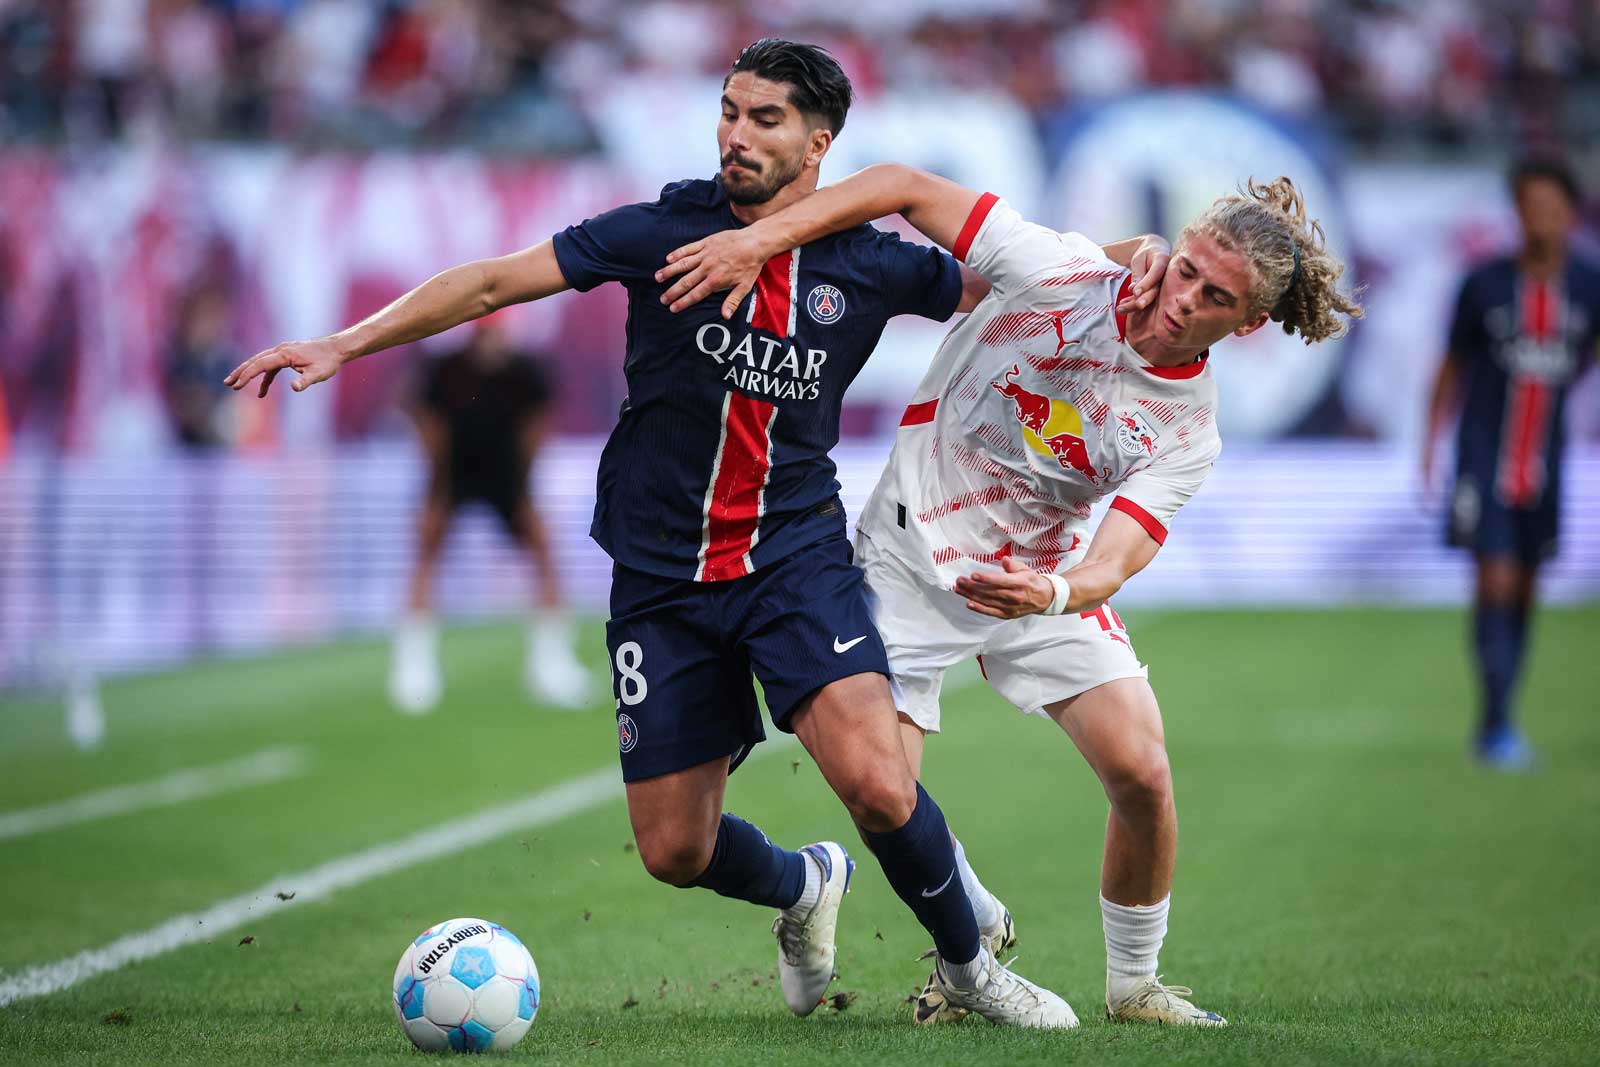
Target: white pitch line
{"x":259,"y":768}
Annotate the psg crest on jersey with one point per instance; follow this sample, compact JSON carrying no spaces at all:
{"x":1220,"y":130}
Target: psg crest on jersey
{"x":825,"y":305}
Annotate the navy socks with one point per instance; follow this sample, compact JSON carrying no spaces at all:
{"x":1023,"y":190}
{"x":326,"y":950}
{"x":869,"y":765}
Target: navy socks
{"x":746,"y":866}
{"x":1499,"y":633}
{"x":920,"y":864}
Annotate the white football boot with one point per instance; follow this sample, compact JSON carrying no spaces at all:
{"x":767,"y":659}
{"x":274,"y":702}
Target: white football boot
{"x":1006,"y":998}
{"x":931,"y":1007}
{"x":1152,"y":1002}
{"x":806,"y":946}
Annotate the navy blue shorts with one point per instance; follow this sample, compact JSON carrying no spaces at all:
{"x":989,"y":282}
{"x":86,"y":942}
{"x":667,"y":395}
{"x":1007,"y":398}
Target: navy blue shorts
{"x":683,"y":653}
{"x":1481,"y":522}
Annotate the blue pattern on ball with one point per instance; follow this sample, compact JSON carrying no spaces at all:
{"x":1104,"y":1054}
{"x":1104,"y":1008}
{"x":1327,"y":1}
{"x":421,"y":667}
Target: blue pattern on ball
{"x":472,"y":966}
{"x":471,"y":1036}
{"x":479,"y":1036}
{"x":507,"y":934}
{"x":427,"y":935}
{"x":409,"y":998}
{"x":527,"y":999}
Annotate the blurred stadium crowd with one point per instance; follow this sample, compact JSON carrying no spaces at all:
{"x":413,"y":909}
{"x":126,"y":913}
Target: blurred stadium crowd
{"x":519,"y":75}
{"x":184,"y":182}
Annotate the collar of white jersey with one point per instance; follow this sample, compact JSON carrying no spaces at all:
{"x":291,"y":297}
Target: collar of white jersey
{"x":1186,"y":370}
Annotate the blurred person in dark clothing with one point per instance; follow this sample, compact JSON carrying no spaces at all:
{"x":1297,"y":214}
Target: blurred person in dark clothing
{"x":482,"y":413}
{"x":203,"y":346}
{"x":1525,"y":327}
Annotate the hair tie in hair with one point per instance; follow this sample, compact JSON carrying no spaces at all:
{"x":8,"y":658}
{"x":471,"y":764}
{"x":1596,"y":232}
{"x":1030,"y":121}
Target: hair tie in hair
{"x":1294,"y":276}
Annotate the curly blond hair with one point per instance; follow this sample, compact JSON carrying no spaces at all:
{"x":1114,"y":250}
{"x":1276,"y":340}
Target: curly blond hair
{"x":1296,"y":279}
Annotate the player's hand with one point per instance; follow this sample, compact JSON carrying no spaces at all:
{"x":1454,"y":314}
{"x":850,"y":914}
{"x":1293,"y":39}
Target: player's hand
{"x":1019,"y":590}
{"x":729,"y":259}
{"x":314,"y":361}
{"x":1149,"y":266}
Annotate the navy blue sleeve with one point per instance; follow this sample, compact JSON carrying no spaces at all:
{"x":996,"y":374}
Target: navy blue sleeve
{"x":1467,"y":335}
{"x":918,"y":280}
{"x":622,"y":245}
{"x":1591,"y":339}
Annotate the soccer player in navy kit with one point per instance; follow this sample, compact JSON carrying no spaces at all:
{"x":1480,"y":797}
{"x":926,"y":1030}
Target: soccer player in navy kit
{"x":1525,"y":327}
{"x":717,"y":500}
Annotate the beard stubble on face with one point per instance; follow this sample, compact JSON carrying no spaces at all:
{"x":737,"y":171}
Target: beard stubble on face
{"x":754,"y":187}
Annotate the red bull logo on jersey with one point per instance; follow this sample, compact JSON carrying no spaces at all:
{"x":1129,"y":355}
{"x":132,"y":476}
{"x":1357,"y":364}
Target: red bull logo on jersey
{"x":1051,"y":427}
{"x":1136,"y":435}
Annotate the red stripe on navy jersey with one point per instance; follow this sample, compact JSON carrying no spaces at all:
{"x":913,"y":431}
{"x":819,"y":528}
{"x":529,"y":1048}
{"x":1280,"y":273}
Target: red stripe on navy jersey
{"x":969,"y":229}
{"x":917,"y":414}
{"x":1151,"y":524}
{"x":1540,"y":319}
{"x":774,"y":295}
{"x":1521,"y":478}
{"x":1522,"y":474}
{"x":737,"y":496}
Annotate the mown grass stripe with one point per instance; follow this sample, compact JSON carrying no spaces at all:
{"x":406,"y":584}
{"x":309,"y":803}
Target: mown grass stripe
{"x":192,"y":783}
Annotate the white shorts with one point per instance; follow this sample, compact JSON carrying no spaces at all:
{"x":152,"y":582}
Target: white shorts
{"x":1032,"y":661}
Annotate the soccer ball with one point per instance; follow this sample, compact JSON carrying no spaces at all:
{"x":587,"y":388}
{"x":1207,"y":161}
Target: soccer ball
{"x":467,"y":985}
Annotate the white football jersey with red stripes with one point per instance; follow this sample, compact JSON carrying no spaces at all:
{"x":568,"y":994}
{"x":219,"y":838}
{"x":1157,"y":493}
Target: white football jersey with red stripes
{"x":1035,"y":407}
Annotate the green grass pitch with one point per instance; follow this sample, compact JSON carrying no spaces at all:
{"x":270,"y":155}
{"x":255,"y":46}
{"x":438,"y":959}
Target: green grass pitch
{"x":1350,"y":888}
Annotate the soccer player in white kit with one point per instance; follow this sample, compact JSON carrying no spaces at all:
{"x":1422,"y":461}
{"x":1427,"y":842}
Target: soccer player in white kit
{"x":1042,"y":401}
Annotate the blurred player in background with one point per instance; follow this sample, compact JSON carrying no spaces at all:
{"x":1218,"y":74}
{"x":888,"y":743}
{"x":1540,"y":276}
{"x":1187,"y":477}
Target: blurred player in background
{"x":482,"y":412}
{"x":1525,"y":326}
{"x":1052,"y":394}
{"x":719,"y":503}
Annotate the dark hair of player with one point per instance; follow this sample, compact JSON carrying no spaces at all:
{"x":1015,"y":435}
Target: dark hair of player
{"x":817,"y":84}
{"x":1534,"y":168}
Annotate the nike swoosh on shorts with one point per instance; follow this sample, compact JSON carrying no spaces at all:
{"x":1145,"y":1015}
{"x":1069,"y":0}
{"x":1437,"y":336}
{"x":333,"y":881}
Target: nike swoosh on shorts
{"x":846,"y":646}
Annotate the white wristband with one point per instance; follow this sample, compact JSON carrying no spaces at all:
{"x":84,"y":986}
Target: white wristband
{"x":1058,"y":603}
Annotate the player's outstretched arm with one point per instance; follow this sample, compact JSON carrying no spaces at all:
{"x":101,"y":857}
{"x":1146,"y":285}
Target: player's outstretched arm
{"x":447,"y":299}
{"x":1121,"y":548}
{"x":731,"y":259}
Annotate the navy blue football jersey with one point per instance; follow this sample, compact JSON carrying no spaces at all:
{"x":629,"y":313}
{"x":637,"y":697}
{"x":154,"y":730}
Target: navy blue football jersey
{"x":719,"y":462}
{"x":1521,"y":343}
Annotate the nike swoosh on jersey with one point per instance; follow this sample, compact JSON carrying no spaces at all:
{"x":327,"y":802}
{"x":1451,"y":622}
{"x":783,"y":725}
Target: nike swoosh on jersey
{"x":846,"y":646}
{"x":942,"y":887}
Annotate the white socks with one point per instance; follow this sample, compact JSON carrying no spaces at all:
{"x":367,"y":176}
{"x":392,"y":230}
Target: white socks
{"x":965,"y":975}
{"x":1133,"y":941}
{"x":416,"y":637}
{"x":415,"y":684}
{"x":550,"y":634}
{"x":985,"y":908}
{"x":811,"y":894}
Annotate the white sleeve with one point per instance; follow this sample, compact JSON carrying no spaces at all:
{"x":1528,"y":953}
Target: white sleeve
{"x":1007,"y":249}
{"x":1152,"y":496}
